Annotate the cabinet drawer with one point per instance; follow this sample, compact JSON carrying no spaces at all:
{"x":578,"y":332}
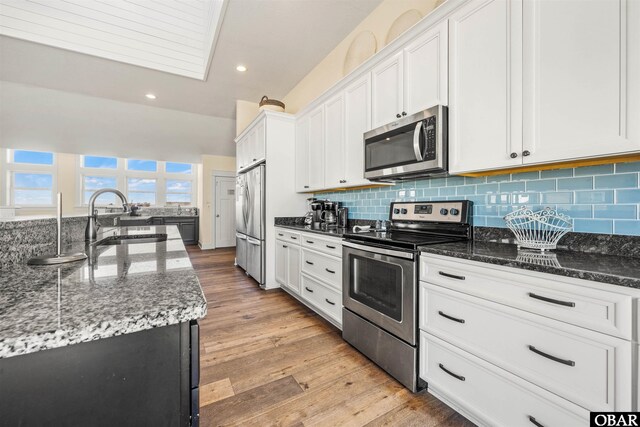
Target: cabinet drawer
{"x":323,"y":267}
{"x":322,"y":244}
{"x":291,"y":236}
{"x":494,"y":397}
{"x":325,"y":299}
{"x":590,"y":369}
{"x":602,"y":311}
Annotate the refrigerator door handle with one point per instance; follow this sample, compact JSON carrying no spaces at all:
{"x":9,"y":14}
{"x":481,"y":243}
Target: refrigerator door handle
{"x":241,"y":236}
{"x":253,"y":241}
{"x":245,"y":206}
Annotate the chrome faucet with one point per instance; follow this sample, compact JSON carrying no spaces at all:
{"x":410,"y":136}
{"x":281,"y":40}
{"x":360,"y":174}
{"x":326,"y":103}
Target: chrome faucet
{"x":91,"y":231}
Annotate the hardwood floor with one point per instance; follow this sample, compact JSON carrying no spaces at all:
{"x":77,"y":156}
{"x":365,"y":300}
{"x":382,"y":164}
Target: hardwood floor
{"x":266,"y":359}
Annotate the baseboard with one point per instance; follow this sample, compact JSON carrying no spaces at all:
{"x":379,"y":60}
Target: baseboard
{"x":206,"y":247}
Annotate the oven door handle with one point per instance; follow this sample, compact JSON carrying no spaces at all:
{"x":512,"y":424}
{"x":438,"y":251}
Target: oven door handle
{"x":416,"y":142}
{"x":376,"y":250}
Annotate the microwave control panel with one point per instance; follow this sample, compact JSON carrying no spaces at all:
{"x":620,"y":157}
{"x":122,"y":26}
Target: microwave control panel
{"x":429,"y":132}
{"x":449,"y":211}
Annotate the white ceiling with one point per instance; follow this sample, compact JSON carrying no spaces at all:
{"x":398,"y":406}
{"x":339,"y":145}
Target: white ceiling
{"x":279,"y":41}
{"x":174,"y":36}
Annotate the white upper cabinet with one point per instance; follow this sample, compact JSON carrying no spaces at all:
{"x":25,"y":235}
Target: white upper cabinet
{"x":334,"y":159}
{"x":357,"y":108}
{"x":426,"y":70}
{"x":316,"y":148}
{"x":485,"y":72}
{"x":259,"y":139}
{"x":581,"y":77}
{"x":302,"y":154}
{"x":250,"y":149}
{"x":542,"y":81}
{"x":387,"y":91}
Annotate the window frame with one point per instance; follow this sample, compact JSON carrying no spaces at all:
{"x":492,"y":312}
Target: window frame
{"x":9,"y":169}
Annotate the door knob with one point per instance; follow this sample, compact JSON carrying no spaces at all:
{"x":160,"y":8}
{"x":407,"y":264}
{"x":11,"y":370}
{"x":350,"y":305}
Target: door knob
{"x":526,"y":153}
{"x":513,"y":155}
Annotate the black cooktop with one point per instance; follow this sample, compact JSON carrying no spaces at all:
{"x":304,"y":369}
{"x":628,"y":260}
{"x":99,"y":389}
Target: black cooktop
{"x":400,"y":238}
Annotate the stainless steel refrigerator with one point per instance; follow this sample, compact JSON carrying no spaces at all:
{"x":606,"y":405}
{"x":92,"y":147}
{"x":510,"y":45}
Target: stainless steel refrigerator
{"x":250,"y":218}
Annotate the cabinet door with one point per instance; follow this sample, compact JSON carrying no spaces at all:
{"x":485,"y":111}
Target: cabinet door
{"x":188,"y":232}
{"x":259,"y":142}
{"x":316,"y":148}
{"x":425,"y":70}
{"x":357,"y":117}
{"x":580,"y":68}
{"x":241,"y":153}
{"x":281,"y":262}
{"x":293,"y":268}
{"x":485,"y":81}
{"x":387,"y":90}
{"x":302,"y":154}
{"x":334,"y":142}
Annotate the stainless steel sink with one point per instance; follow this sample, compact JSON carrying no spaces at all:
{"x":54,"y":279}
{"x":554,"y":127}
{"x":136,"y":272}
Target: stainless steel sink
{"x":132,"y":239}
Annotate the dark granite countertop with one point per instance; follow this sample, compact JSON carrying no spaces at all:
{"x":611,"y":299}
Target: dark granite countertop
{"x":614,"y":270}
{"x":335,"y":232}
{"x":118,"y":290}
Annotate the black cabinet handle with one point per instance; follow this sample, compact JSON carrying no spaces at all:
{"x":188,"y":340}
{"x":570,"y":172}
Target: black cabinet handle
{"x":330,"y":302}
{"x":310,"y":241}
{"x":551,"y":300}
{"x":254,"y":160}
{"x":398,"y":115}
{"x":526,"y":153}
{"x":306,"y":186}
{"x":535,"y":422}
{"x":554,"y":358}
{"x":455,"y":319}
{"x":294,"y":238}
{"x":404,"y":113}
{"x":331,"y":247}
{"x":330,"y":271}
{"x":309,"y":290}
{"x":280,"y":234}
{"x":285,"y":246}
{"x":309,"y":262}
{"x":513,"y":155}
{"x":451,"y":276}
{"x":456,"y":376}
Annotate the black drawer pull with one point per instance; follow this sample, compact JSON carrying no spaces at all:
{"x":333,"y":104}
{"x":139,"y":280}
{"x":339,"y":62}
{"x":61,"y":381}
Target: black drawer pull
{"x":280,"y":234}
{"x":309,"y":262}
{"x":451,"y":276}
{"x":455,"y":319}
{"x":294,"y":238}
{"x":331,"y":247}
{"x":309,"y":290}
{"x":330,"y":302}
{"x":330,"y":271}
{"x":456,"y":376}
{"x":552,"y":301}
{"x":310,"y":241}
{"x":555,"y":359}
{"x":535,"y":422}
{"x":285,"y":246}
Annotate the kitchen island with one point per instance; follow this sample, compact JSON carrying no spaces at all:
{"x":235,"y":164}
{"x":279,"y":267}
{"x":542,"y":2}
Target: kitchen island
{"x":111,"y":340}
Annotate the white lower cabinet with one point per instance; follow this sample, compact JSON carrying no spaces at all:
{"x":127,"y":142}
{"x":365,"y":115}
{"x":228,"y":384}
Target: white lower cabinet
{"x":554,"y":357}
{"x":309,"y":265}
{"x":489,"y":395}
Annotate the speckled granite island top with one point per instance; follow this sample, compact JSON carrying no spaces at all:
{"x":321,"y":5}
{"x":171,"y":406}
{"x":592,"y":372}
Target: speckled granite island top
{"x":118,"y":290}
{"x":336,"y":232}
{"x":614,"y":270}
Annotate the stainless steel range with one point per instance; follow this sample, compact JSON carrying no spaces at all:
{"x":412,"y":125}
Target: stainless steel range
{"x":380,"y":282}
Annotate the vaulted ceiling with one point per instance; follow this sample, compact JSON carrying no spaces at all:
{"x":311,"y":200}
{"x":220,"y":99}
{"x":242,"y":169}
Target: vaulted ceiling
{"x":279,"y":41}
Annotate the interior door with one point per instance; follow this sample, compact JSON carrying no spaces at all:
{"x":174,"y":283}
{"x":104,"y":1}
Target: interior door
{"x":225,"y":189}
{"x":580,"y":62}
{"x":241,"y":208}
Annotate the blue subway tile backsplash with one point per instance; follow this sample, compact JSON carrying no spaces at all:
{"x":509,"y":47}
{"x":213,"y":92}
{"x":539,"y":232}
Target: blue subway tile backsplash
{"x":602,"y":198}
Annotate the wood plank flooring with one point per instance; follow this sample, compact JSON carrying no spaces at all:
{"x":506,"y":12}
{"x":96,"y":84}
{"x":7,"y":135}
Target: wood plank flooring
{"x":266,"y":359}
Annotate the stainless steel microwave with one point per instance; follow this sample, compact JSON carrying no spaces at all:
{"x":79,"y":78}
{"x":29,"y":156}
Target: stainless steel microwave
{"x":412,"y":147}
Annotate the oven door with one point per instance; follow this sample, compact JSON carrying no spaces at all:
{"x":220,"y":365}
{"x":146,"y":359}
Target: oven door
{"x":380,"y":285}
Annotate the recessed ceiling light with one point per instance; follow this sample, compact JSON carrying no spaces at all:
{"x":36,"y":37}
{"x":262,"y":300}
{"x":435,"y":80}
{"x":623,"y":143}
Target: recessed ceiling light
{"x":150,"y":96}
{"x":241,"y":68}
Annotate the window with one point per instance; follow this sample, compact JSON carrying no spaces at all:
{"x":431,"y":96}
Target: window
{"x":178,"y":192}
{"x":99,"y":162}
{"x":141,"y":190}
{"x":32,"y":157}
{"x":178,"y":167}
{"x":32,"y":178}
{"x":142,"y":165}
{"x":92,"y":183}
{"x":32,"y":189}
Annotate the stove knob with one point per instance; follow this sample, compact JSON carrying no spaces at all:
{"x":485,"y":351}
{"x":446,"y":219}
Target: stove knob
{"x":454,"y":211}
{"x":443,"y":211}
{"x":404,"y":211}
{"x":396,"y":211}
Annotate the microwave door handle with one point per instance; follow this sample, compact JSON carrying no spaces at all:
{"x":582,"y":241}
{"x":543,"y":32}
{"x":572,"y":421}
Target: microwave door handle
{"x":416,"y":142}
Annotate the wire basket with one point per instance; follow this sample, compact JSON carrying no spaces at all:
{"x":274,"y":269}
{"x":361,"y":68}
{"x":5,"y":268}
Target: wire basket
{"x":538,"y":230}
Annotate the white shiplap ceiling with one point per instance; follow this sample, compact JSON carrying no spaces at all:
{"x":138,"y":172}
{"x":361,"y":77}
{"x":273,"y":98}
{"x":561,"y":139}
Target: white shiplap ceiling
{"x":175,"y":36}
